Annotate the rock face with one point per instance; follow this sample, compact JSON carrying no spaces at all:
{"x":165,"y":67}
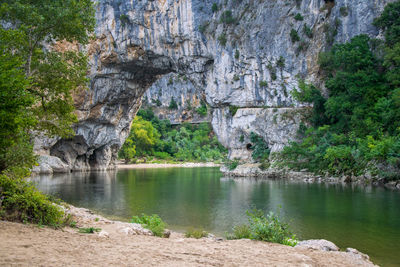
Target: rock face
{"x":318,"y":244}
{"x":176,"y":88}
{"x":241,"y":54}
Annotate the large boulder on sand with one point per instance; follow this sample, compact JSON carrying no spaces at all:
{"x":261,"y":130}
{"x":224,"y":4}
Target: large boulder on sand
{"x":318,"y":244}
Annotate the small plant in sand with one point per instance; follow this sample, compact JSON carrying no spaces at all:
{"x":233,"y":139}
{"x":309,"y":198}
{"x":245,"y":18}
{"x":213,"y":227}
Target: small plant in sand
{"x":154,"y":223}
{"x":195,"y":233}
{"x":89,"y":230}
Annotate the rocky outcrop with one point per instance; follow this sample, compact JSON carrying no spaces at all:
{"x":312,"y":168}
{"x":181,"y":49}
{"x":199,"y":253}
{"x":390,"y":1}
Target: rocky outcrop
{"x":318,"y":244}
{"x":240,"y":54}
{"x":175,"y":88}
{"x":49,"y":165}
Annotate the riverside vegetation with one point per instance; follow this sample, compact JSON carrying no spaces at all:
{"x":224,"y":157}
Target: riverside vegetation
{"x":152,"y":138}
{"x":269,"y":228}
{"x":36,"y":86}
{"x":357,"y":128}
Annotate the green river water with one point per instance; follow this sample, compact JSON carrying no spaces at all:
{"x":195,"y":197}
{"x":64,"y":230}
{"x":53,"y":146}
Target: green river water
{"x":365,"y":218}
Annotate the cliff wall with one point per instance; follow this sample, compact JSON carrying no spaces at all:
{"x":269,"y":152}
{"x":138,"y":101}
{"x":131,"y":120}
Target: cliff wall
{"x":243,"y":53}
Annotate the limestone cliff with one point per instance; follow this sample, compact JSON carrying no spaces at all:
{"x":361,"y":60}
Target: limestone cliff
{"x":243,"y":53}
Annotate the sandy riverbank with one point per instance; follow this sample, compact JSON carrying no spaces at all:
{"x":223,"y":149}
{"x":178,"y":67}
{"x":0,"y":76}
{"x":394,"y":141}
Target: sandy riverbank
{"x":167,"y":165}
{"x":117,"y":245}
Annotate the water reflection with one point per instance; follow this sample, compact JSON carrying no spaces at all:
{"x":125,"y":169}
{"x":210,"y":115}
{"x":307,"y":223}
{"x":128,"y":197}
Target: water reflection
{"x":351,"y":216}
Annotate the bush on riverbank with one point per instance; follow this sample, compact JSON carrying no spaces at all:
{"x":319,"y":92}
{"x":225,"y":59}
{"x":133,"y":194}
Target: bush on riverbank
{"x":154,"y":223}
{"x":357,"y":128}
{"x":195,"y":233}
{"x":269,"y":228}
{"x":21,"y":201}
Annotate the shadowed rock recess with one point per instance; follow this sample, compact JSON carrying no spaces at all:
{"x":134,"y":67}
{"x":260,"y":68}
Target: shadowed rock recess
{"x":240,"y":54}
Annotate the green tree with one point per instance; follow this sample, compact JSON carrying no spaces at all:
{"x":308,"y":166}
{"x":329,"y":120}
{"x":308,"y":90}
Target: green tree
{"x":36,"y":84}
{"x":128,"y":150}
{"x":15,"y":118}
{"x":143,"y":135}
{"x":53,"y":73}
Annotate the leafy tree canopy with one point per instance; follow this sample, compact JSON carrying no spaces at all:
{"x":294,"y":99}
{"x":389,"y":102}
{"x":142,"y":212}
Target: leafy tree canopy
{"x":37,"y":77}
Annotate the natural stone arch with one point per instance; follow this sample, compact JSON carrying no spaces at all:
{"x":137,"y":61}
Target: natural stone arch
{"x":104,"y":126}
{"x":139,"y":41}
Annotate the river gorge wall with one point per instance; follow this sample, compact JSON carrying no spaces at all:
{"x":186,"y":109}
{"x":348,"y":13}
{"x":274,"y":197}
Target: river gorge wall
{"x":241,"y":55}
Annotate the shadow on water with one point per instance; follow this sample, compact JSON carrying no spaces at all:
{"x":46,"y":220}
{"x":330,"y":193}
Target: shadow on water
{"x":366,"y":218}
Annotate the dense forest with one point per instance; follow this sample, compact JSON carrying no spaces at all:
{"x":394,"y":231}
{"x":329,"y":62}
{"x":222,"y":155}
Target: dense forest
{"x":356,"y":129}
{"x":152,"y":138}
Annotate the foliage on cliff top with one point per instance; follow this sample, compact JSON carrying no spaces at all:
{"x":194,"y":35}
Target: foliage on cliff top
{"x":357,"y":128}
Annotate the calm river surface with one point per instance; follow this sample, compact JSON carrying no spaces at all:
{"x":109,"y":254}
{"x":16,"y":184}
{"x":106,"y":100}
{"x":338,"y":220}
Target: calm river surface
{"x":364,"y":218}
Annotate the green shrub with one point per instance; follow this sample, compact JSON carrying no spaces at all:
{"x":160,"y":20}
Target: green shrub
{"x":263,"y":84}
{"x":195,"y":233}
{"x":280,"y":63}
{"x":222,"y":39}
{"x":232,"y":164}
{"x":21,"y":201}
{"x":240,"y":232}
{"x":172,"y":104}
{"x":241,"y":138}
{"x":272,"y":71}
{"x":299,"y":17}
{"x":202,"y":110}
{"x":90,"y":230}
{"x":269,"y":228}
{"x":236,"y":78}
{"x":233,"y":110}
{"x":203,"y":27}
{"x":154,"y":223}
{"x":307,"y":31}
{"x":294,"y":36}
{"x":265,"y":164}
{"x":214,"y":7}
{"x":260,"y":147}
{"x":303,"y":45}
{"x":226,"y":17}
{"x":344,"y":11}
{"x":124,"y":19}
{"x":237,"y":54}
